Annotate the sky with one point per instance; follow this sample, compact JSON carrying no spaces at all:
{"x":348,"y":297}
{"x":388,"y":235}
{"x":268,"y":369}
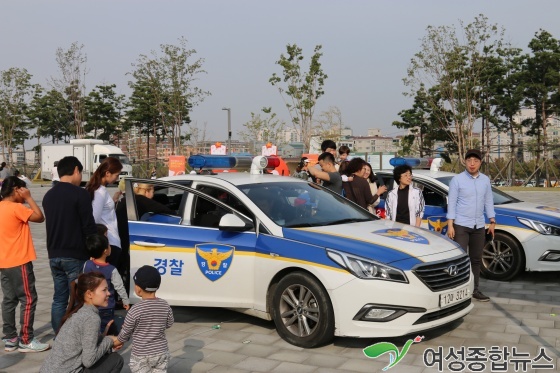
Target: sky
{"x":367,"y":46}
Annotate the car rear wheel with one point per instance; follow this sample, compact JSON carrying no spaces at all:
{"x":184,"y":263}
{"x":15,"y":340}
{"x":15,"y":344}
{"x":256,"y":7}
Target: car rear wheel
{"x":503,"y":260}
{"x":302,"y":311}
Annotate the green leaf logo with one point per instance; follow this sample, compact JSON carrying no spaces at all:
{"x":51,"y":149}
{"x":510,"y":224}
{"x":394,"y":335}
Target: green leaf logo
{"x":381,"y":348}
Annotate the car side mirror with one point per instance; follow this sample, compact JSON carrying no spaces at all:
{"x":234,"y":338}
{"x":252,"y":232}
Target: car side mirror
{"x":233,"y":223}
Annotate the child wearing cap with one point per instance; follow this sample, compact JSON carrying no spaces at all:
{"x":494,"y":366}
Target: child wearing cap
{"x":146,"y":322}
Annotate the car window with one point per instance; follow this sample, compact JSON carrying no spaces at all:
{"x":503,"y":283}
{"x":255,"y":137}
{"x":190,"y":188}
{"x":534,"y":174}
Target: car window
{"x":206,"y":213}
{"x":432,"y":197}
{"x":225,"y":197}
{"x":174,"y":198}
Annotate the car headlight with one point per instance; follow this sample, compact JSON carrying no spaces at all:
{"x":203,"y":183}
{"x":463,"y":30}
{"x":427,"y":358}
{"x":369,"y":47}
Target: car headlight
{"x":366,"y":268}
{"x":540,"y":227}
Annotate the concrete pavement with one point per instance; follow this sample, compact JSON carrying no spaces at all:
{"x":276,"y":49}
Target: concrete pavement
{"x":524,"y":314}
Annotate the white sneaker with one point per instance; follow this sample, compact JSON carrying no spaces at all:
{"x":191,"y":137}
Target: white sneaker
{"x":33,"y":346}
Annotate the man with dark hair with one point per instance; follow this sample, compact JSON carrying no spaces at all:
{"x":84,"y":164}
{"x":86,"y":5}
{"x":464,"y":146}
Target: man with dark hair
{"x":328,"y":146}
{"x":328,"y":173}
{"x":470,"y":196}
{"x":69,"y":220}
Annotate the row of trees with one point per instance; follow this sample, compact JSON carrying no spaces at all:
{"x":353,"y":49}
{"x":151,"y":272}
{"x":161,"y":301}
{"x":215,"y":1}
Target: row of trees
{"x":163,"y":87}
{"x":459,"y":77}
{"x":473,"y":75}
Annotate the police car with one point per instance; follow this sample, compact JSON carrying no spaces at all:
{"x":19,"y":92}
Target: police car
{"x":527,"y":235}
{"x":287,"y":250}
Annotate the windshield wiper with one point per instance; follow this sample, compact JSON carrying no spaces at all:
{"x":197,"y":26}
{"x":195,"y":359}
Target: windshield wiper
{"x":349,"y":220}
{"x":506,"y":202}
{"x":301,"y":225}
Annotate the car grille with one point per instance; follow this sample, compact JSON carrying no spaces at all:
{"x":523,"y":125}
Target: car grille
{"x":436,"y":275}
{"x":432,"y":316}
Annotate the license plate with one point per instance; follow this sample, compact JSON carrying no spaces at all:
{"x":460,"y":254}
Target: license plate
{"x":452,"y":297}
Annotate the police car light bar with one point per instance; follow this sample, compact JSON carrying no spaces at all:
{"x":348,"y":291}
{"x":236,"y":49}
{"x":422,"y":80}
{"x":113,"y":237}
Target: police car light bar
{"x":433,"y":164}
{"x":412,"y":162}
{"x":219,"y":162}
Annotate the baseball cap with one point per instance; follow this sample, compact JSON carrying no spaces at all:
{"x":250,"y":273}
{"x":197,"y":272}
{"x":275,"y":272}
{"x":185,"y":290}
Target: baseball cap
{"x":147,"y":278}
{"x":473,"y":153}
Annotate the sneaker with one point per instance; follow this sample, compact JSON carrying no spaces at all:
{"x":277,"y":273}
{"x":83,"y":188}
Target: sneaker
{"x":479,"y":296}
{"x":10,"y":344}
{"x":33,"y":346}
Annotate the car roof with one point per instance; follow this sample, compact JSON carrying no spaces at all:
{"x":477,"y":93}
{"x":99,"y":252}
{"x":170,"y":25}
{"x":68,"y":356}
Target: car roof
{"x":235,"y":178}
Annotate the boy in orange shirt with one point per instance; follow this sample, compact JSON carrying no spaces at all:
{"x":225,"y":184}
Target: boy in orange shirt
{"x":16,"y":270}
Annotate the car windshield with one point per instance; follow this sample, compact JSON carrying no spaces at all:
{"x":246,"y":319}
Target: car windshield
{"x":121,"y":157}
{"x":297,"y":204}
{"x":500,"y":198}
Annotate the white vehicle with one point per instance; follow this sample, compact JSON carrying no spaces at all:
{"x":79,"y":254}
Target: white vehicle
{"x":527,"y":235}
{"x":287,"y":250}
{"x":90,"y":152}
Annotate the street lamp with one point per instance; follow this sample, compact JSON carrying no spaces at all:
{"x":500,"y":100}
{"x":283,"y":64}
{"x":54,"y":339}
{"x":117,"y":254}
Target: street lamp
{"x":228,"y":128}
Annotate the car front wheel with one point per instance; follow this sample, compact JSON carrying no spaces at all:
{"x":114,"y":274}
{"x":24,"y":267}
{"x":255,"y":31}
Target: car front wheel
{"x":503,"y":260}
{"x":302,"y":311}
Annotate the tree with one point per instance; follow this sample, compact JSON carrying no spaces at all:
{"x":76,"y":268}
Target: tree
{"x":71,"y":82}
{"x":329,"y":125}
{"x":505,"y":94}
{"x":51,"y":115}
{"x":16,"y":92}
{"x":103,"y":112}
{"x":143,"y":114}
{"x":423,"y":123}
{"x":170,"y":80}
{"x":541,"y":78}
{"x":302,"y":89}
{"x":267,"y":129}
{"x":455,"y":68}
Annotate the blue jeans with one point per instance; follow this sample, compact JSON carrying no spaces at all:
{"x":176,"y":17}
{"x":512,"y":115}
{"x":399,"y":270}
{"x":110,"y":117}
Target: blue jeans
{"x":64,"y":271}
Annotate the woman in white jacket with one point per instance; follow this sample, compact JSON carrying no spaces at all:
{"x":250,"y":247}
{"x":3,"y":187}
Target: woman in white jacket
{"x":404,"y":204}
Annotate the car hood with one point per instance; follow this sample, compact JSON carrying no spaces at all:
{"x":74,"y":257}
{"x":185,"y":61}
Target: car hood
{"x":542,"y":213}
{"x":381,"y":240}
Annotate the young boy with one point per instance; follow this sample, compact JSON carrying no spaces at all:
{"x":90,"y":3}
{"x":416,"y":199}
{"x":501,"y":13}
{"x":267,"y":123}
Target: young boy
{"x":343,"y":153}
{"x":146,"y":323}
{"x":99,"y":249}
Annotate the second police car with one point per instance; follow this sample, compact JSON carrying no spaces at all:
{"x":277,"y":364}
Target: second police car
{"x":527,"y":235}
{"x":286,"y":250}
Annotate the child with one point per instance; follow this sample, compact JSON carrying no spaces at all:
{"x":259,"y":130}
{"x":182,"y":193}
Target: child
{"x":78,"y":346}
{"x":146,"y":322}
{"x":16,"y":270}
{"x":343,"y":153}
{"x":99,"y":249}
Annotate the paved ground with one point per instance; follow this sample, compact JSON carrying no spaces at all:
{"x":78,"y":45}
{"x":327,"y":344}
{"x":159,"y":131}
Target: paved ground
{"x":524,"y":314}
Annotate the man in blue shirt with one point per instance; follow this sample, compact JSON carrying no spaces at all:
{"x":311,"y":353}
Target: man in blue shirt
{"x":470,"y":196}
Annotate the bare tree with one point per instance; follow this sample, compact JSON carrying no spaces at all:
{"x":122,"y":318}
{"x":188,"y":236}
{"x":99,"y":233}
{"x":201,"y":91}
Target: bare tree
{"x":71,"y":82}
{"x":329,"y":125}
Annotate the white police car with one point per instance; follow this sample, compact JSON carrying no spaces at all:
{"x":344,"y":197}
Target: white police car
{"x":283,"y":249}
{"x":527,"y":235}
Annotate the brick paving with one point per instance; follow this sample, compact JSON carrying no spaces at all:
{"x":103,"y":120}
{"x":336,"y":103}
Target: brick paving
{"x":524,"y":313}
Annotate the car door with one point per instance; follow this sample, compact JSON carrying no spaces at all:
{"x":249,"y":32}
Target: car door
{"x":435,"y":208}
{"x":200,"y":264}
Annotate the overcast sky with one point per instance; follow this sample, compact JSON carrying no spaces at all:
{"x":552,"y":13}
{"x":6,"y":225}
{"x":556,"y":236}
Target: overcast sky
{"x":367,"y":45}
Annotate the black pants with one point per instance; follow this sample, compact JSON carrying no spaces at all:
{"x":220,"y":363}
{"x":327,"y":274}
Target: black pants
{"x":109,"y":363}
{"x":472,"y":241}
{"x":18,"y":286}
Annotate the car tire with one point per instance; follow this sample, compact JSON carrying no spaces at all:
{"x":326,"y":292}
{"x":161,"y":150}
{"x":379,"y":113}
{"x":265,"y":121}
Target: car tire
{"x":502,"y":261}
{"x":302,"y":311}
